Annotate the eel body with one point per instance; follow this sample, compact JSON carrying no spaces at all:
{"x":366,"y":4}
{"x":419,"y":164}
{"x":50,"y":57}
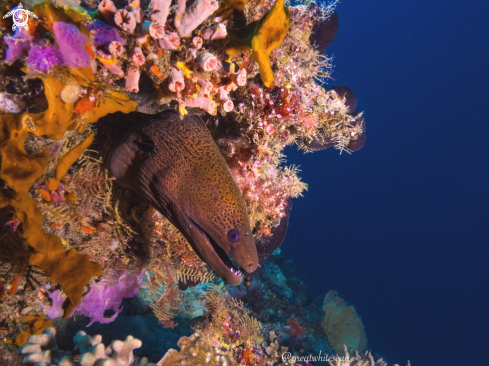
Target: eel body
{"x":174,"y":164}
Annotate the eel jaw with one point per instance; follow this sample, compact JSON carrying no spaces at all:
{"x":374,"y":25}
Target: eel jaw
{"x":213,"y":254}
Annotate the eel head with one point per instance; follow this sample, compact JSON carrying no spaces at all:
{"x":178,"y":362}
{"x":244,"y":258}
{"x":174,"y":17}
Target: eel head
{"x":174,"y":164}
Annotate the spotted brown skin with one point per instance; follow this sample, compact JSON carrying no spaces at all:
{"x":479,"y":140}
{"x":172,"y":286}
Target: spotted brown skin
{"x":174,"y":164}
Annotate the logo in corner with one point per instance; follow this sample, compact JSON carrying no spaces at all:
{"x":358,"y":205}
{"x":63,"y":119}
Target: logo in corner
{"x":21,"y":17}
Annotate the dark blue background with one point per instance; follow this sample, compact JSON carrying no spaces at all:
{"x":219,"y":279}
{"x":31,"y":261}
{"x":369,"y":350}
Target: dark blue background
{"x":401,"y":228}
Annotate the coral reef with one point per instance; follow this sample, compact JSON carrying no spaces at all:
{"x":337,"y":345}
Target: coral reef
{"x":20,"y":170}
{"x":342,"y":324}
{"x":243,"y":80}
{"x":194,"y":350}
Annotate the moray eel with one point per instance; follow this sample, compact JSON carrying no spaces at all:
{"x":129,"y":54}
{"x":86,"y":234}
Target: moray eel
{"x":174,"y":164}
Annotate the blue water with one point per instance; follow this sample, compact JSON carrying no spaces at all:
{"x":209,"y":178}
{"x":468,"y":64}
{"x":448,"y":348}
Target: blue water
{"x":401,"y":228}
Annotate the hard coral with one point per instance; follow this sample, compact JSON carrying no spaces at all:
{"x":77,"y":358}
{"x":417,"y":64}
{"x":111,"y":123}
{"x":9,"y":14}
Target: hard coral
{"x":42,"y":349}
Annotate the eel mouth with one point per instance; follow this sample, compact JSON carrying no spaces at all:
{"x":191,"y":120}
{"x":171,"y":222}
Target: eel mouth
{"x":216,"y":257}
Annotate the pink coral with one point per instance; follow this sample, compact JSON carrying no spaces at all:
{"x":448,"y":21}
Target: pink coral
{"x":203,"y":103}
{"x":226,"y":102}
{"x":116,"y":48}
{"x":176,"y":81}
{"x":170,"y":41}
{"x":191,"y":53}
{"x":138,"y":15}
{"x":310,"y":122}
{"x":217,"y":31}
{"x":205,"y":86}
{"x":102,"y":296}
{"x":161,"y":9}
{"x":194,"y":15}
{"x":156,"y":31}
{"x":108,"y":9}
{"x":207,"y":61}
{"x":112,"y":67}
{"x":137,"y":57}
{"x":125,"y":20}
{"x":197,"y":42}
{"x":239,"y":78}
{"x":132,"y":80}
{"x":136,"y":10}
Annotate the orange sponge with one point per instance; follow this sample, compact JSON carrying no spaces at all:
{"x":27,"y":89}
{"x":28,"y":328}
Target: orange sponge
{"x":20,"y":170}
{"x":262,"y":36}
{"x":36,"y":325}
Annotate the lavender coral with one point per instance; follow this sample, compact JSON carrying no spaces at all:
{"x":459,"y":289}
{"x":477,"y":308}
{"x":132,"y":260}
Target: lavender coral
{"x":103,"y":34}
{"x":43,"y":58}
{"x":18,"y":45}
{"x":71,"y":44}
{"x":101,"y":297}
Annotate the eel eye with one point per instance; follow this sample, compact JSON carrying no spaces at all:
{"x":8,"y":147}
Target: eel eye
{"x":146,"y":145}
{"x":233,"y":236}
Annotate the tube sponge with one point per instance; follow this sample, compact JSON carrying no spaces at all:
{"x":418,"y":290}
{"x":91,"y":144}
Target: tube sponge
{"x":194,"y":16}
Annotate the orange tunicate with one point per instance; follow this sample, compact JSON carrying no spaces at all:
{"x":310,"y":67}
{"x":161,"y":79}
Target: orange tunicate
{"x":84,"y":105}
{"x":45,"y":195}
{"x":89,"y":49}
{"x":15,"y":282}
{"x":70,"y":196}
{"x":88,"y":230}
{"x":53,"y":184}
{"x":156,"y":71}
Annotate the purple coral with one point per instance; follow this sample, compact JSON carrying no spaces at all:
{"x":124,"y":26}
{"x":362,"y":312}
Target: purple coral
{"x":71,"y":44}
{"x":42,"y":58}
{"x":103,"y":34}
{"x":18,"y":45}
{"x":102,"y":296}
